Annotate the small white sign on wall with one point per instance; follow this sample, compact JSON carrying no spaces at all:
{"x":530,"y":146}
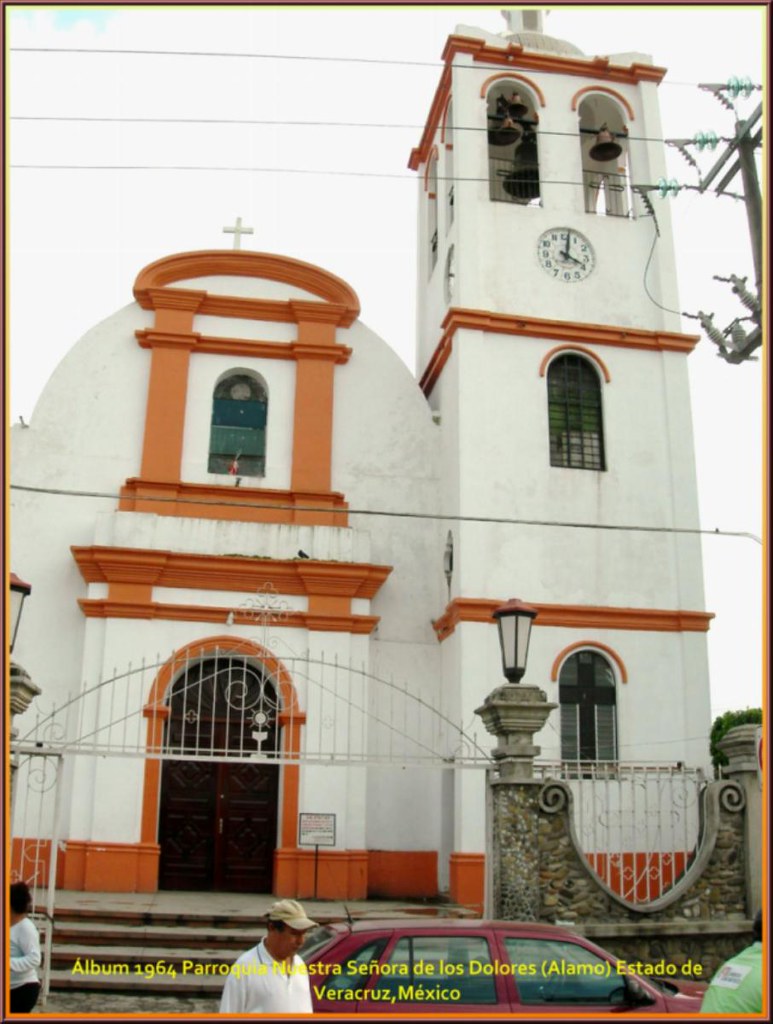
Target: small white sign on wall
{"x":316,"y":829}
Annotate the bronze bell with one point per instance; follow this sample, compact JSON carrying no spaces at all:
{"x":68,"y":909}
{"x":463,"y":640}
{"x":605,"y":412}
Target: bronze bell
{"x":504,"y":132}
{"x":605,"y":147}
{"x":522,"y":183}
{"x":516,"y":107}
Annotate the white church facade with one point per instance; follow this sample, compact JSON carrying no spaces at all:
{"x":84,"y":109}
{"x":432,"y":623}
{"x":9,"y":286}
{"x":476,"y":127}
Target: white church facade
{"x":266,"y":557}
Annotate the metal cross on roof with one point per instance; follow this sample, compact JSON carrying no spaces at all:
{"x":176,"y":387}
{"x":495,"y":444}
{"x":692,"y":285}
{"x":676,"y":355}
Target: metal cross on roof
{"x":237,"y":232}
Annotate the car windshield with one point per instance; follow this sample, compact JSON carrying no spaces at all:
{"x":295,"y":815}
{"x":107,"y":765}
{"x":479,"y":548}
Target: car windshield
{"x":315,"y":939}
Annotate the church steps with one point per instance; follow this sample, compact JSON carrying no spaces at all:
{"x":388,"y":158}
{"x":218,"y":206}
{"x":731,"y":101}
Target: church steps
{"x":138,"y":983}
{"x":110,"y":934}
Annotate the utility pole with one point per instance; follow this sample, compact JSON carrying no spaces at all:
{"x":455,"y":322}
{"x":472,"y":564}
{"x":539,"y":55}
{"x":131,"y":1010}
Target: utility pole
{"x":735,"y":344}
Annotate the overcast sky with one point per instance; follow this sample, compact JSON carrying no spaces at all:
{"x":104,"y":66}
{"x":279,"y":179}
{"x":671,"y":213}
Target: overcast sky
{"x":342,"y":196}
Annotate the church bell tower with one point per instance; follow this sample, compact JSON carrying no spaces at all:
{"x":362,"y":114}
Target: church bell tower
{"x":558,"y":379}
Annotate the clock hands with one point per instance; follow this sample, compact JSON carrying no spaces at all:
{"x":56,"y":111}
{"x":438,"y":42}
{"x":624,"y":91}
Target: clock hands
{"x":566,"y":254}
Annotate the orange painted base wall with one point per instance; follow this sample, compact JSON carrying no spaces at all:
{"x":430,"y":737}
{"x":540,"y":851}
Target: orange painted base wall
{"x":30,"y":860}
{"x":340,"y":874}
{"x":402,"y":874}
{"x":467,"y":872}
{"x":110,"y":867}
{"x":88,"y":866}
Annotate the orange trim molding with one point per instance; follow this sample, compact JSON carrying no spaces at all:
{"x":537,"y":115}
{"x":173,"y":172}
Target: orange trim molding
{"x":151,"y":281}
{"x":520,"y":78}
{"x":575,"y":348}
{"x":593,"y":645}
{"x":228,"y":572}
{"x":293,"y":717}
{"x":243,"y":346}
{"x":433,"y":155}
{"x":539,"y":328}
{"x":610,"y":92}
{"x":245,"y":504}
{"x":444,"y":124}
{"x":316,"y":623}
{"x":514,"y":55}
{"x":470,"y":609}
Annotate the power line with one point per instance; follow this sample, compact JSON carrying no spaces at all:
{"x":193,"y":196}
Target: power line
{"x":241,"y":122}
{"x":267,"y":56}
{"x":308,"y":170}
{"x":437,"y":516}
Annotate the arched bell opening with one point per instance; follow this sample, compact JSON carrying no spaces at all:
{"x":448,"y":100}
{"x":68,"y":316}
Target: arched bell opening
{"x":604,"y":153}
{"x":512,"y":121}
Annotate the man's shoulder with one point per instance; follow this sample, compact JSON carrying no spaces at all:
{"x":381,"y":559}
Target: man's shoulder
{"x":250,"y":956}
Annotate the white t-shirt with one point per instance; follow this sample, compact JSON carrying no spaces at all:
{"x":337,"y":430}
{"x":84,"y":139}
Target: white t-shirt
{"x":259,"y":984}
{"x":25,"y":953}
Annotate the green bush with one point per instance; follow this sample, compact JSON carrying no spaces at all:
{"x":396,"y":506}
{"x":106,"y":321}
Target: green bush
{"x":725,"y":722}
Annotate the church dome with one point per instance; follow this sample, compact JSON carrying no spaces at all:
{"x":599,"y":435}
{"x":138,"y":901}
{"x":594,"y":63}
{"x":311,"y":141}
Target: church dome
{"x":545,"y":44}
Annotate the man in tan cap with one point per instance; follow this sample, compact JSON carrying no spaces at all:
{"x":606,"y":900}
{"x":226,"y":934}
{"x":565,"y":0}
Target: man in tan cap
{"x":271,"y":977}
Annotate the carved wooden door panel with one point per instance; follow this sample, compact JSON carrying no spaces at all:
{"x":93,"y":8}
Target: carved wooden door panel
{"x":218,"y":820}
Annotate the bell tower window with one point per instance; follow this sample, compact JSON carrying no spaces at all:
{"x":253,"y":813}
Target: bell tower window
{"x":604,"y":153}
{"x":574,"y":414}
{"x":237,"y":440}
{"x":432,"y":211}
{"x":512,"y":145}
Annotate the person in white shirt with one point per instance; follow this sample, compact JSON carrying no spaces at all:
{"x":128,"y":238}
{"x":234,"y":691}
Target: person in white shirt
{"x":24,"y":950}
{"x":271,"y":977}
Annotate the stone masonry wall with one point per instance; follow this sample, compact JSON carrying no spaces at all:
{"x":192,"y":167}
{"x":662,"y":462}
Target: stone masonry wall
{"x":539,"y":873}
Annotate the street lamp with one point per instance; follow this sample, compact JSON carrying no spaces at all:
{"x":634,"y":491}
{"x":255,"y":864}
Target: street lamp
{"x":514,"y":621}
{"x":19,"y":590}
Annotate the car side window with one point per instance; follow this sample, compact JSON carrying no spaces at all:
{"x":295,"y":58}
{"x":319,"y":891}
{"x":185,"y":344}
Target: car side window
{"x":548,"y":971}
{"x":358,"y":968}
{"x":440,"y":969}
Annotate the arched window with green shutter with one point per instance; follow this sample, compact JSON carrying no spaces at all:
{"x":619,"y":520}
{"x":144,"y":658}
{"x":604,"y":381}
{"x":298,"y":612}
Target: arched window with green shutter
{"x":574,"y":414}
{"x":237,"y":440}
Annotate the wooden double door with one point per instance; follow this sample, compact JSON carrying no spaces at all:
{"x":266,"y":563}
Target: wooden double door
{"x":218,"y":818}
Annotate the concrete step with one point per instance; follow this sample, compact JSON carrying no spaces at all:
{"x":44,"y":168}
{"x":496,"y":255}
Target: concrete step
{"x":151,"y":959}
{"x":138,"y":983}
{"x":97,"y":933}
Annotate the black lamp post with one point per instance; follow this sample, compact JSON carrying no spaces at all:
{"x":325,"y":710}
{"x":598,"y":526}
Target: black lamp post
{"x":514,"y":620}
{"x":19,"y":590}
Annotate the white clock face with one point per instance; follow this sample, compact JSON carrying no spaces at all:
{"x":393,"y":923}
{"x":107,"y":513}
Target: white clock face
{"x":565,"y":254}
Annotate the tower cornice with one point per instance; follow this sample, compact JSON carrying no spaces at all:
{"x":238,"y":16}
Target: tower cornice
{"x":553,"y":330}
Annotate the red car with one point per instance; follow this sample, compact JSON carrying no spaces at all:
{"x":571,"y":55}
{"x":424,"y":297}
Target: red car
{"x":476,"y":967}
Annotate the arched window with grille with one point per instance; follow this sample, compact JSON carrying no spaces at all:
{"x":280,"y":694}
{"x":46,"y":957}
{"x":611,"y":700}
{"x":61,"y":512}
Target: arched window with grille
{"x":586,"y":694}
{"x":237,"y":440}
{"x":574,"y":414}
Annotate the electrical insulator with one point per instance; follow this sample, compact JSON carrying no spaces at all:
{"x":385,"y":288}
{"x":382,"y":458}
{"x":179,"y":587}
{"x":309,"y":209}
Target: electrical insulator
{"x":738,"y":337}
{"x":740,"y":86}
{"x":706,"y":139}
{"x":747,"y":298}
{"x":707,"y":323}
{"x":664,"y":187}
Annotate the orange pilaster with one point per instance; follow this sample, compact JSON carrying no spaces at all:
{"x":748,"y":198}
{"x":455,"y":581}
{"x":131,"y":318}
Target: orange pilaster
{"x":316,"y":354}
